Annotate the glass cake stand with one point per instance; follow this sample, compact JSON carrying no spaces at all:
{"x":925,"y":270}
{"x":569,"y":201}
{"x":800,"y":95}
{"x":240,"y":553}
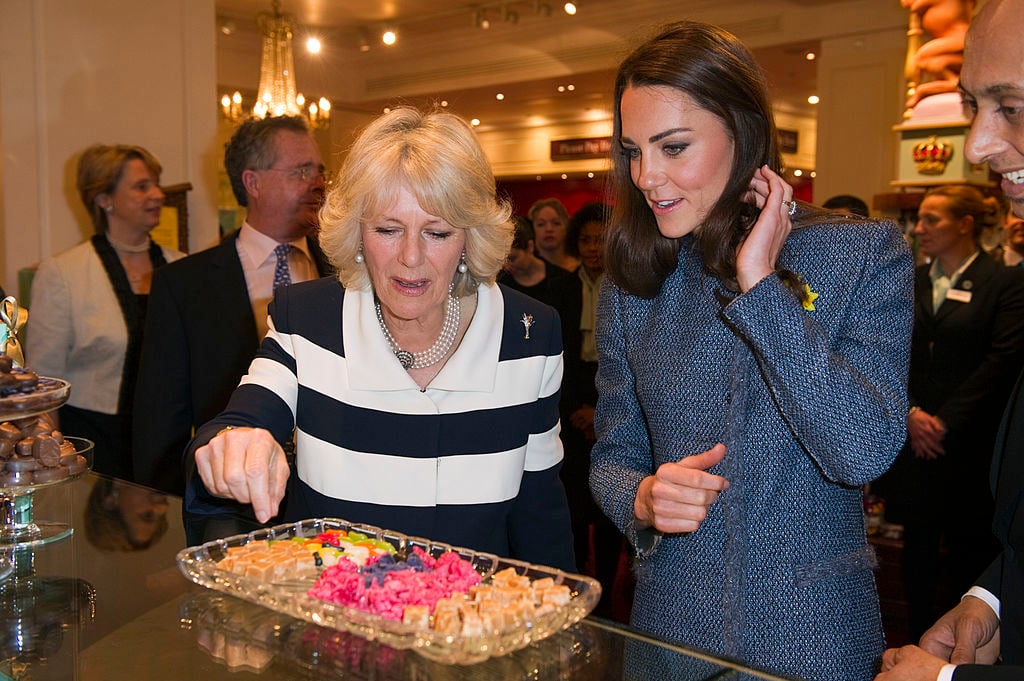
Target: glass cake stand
{"x":18,"y":528}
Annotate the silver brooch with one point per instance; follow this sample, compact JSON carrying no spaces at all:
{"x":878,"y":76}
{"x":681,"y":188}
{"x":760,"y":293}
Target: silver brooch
{"x":527,"y":323}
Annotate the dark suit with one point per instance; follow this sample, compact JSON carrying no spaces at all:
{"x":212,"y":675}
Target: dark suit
{"x":964,"y":359}
{"x":1005,"y":577}
{"x":200,"y":338}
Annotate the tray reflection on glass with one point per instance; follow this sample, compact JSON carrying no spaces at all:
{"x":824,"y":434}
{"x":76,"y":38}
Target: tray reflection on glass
{"x":199,"y":563}
{"x":245,"y":636}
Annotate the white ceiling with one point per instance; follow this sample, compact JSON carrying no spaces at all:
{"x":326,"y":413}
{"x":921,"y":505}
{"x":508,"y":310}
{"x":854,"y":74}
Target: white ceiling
{"x":531,"y":48}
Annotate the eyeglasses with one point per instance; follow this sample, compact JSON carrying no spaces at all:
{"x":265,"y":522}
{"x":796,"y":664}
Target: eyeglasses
{"x":303,"y":173}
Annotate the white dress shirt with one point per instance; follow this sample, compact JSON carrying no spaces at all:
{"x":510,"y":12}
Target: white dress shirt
{"x":256,"y":251}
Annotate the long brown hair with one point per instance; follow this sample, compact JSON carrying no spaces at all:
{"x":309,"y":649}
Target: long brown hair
{"x":714,"y":69}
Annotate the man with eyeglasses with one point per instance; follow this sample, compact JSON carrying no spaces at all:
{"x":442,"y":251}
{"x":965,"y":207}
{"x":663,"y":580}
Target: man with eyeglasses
{"x":208,"y":314}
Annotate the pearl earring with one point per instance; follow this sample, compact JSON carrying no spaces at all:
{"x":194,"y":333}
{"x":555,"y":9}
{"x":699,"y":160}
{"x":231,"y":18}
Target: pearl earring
{"x":360,"y":259}
{"x":463,"y":267}
{"x":109,"y":208}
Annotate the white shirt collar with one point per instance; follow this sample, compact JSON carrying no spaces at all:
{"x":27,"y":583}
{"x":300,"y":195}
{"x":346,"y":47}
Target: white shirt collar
{"x":259,"y":247}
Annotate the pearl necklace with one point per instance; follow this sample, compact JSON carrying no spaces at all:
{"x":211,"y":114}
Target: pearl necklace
{"x":436,"y":352}
{"x":125,"y":248}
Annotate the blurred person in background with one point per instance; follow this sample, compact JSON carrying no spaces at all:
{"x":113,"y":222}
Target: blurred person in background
{"x":89,"y":303}
{"x":524,"y":271}
{"x":967,"y":350}
{"x":550,"y":221}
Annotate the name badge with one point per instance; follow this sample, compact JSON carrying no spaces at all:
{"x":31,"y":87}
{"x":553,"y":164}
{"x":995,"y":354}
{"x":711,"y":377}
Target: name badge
{"x":959,"y":295}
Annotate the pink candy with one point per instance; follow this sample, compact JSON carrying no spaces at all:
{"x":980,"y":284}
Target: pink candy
{"x":444,"y":576}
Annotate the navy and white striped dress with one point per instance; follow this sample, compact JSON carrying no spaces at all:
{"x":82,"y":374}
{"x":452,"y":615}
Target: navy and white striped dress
{"x":472,"y":460}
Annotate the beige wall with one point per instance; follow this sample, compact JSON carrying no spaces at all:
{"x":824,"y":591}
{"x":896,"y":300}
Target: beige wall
{"x":861,"y":84}
{"x":77,"y":72}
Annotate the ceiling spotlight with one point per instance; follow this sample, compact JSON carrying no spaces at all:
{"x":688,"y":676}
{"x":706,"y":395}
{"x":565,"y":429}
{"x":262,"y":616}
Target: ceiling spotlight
{"x":313,"y":45}
{"x":570,"y":8}
{"x":480,"y":19}
{"x":564,"y":176}
{"x":570,"y":87}
{"x":798,"y":173}
{"x":227,"y":27}
{"x":444,"y":103}
{"x":561,"y":88}
{"x":590,"y":175}
{"x":389,"y":37}
{"x":474,"y":122}
{"x":500,"y":96}
{"x":810,"y":55}
{"x":813,"y":99}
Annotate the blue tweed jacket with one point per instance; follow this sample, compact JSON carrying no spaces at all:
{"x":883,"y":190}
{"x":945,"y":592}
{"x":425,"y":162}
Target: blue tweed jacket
{"x":810,"y":405}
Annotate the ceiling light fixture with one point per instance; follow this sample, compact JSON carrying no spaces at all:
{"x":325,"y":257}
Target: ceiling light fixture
{"x":571,"y":8}
{"x":813,"y":99}
{"x":277,"y":95}
{"x":389,"y":36}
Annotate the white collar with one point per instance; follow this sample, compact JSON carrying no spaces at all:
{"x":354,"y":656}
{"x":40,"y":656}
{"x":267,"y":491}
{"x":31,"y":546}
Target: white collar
{"x":259,"y":247}
{"x":372,"y":366}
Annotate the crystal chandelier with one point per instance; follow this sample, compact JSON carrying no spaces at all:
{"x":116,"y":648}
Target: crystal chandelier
{"x":277,"y":95}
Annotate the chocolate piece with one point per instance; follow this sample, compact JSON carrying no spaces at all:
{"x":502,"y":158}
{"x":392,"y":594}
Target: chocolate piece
{"x":27,"y":380}
{"x":51,"y":474}
{"x":6,"y":364}
{"x":58,"y":436}
{"x":6,"y":448}
{"x":24,"y":446}
{"x":21,"y":464}
{"x":8,"y":382}
{"x":9,"y":431}
{"x":37,"y":427}
{"x":77,"y":465}
{"x":67,"y":449}
{"x":46,"y":450}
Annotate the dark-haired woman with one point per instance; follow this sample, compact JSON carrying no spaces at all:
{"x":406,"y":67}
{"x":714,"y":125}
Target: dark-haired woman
{"x":752,"y":372}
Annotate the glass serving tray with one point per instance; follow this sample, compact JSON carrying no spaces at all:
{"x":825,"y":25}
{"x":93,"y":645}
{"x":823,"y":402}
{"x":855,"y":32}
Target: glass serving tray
{"x":199,"y":563}
{"x":48,"y":395}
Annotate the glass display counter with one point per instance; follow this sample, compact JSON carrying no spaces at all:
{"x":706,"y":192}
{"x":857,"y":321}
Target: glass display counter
{"x":109,"y":603}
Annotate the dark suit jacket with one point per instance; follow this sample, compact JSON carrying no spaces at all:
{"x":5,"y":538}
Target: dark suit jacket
{"x":1005,"y":577}
{"x":200,"y":337}
{"x":965,"y":356}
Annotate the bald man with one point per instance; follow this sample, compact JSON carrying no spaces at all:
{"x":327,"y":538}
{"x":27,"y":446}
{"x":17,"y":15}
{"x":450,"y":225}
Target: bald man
{"x":988,"y":624}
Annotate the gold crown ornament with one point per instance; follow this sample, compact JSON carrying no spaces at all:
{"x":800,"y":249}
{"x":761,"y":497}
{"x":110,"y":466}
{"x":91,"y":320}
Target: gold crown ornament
{"x":931,"y":157}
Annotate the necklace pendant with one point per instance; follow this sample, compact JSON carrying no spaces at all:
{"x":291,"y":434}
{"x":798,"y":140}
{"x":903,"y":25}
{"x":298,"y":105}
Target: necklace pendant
{"x":405,"y":358}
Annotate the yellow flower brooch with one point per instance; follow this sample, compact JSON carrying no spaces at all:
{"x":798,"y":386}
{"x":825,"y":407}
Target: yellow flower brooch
{"x":796,"y":283}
